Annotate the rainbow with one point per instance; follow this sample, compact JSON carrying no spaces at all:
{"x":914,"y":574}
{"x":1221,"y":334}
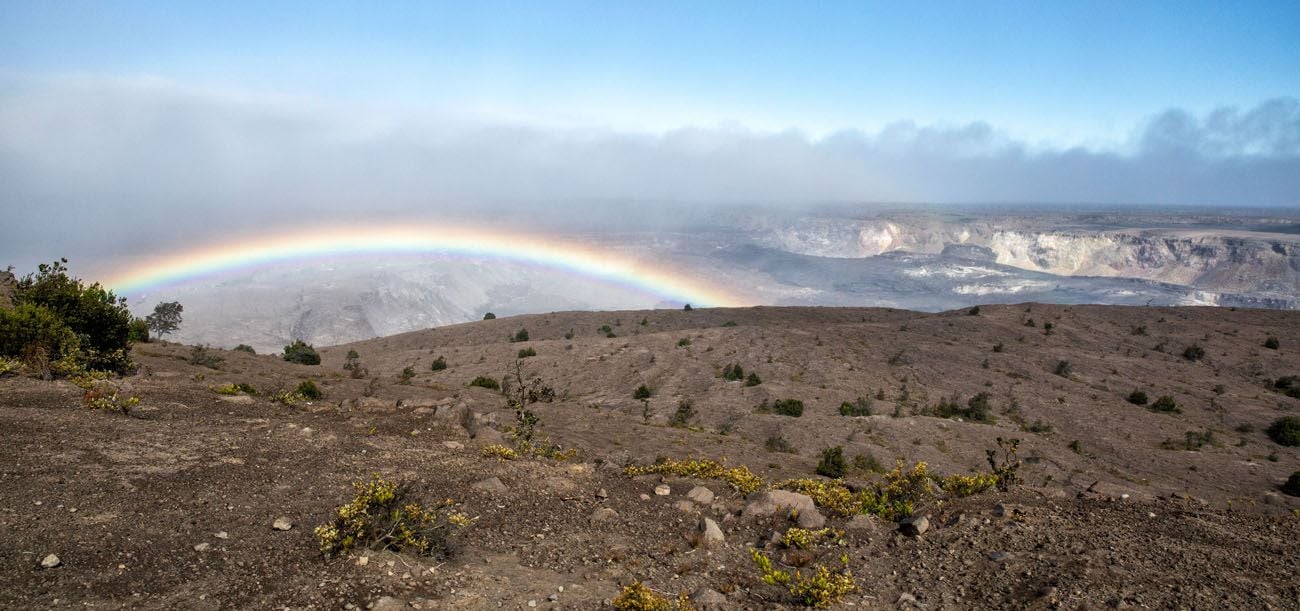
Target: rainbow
{"x":469,"y":242}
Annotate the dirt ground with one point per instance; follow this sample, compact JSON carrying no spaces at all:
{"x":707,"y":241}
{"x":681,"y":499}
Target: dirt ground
{"x":172,"y":506}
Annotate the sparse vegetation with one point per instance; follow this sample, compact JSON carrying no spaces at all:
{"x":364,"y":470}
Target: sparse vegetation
{"x":1288,"y":385}
{"x":244,"y":348}
{"x":307,"y":389}
{"x":489,"y":316}
{"x":301,"y":353}
{"x":642,"y":392}
{"x":819,"y":590}
{"x":684,"y":415}
{"x":784,"y":407}
{"x":235,"y":388}
{"x":438,"y":364}
{"x":739,"y":478}
{"x":733,"y":372}
{"x":203,"y":357}
{"x":857,"y":408}
{"x":1165,"y":404}
{"x":638,"y":597}
{"x":1192,"y":441}
{"x":383,"y":516}
{"x":527,"y":352}
{"x":1005,"y":463}
{"x":1285,"y":431}
{"x":1271,"y":343}
{"x":832,"y":463}
{"x":977,"y":409}
{"x":1194,"y":352}
{"x":352,"y":364}
{"x":752,"y":379}
{"x":408,"y":374}
{"x":520,"y":336}
{"x":1063,"y":369}
{"x":683,"y":342}
{"x":777,"y":443}
{"x":1138,"y":397}
{"x":485,"y":382}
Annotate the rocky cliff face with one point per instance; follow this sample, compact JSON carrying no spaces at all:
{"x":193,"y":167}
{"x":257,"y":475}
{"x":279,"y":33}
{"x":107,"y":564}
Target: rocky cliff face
{"x":1228,"y":261}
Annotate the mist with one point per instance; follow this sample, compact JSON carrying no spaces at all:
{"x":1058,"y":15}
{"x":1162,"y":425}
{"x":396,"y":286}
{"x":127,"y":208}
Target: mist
{"x":108,"y":165}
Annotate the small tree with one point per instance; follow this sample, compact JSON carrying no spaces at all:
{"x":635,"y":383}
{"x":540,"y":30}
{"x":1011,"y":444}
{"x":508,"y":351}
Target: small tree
{"x":489,"y":316}
{"x":166,"y":317}
{"x":302,"y":353}
{"x":641,"y":392}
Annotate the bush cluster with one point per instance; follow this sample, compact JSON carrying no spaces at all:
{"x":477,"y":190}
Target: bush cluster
{"x":302,"y":353}
{"x":60,"y":324}
{"x":857,"y":408}
{"x":1285,"y":431}
{"x":383,"y":516}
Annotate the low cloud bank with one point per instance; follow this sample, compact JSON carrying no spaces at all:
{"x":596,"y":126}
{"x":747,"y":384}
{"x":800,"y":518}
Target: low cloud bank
{"x":96,"y":161}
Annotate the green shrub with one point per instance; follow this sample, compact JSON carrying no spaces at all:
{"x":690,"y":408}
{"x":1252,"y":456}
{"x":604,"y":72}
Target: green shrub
{"x":137,"y":331}
{"x":867,"y":463}
{"x":683,"y":342}
{"x":30,"y":328}
{"x":1137,"y":397}
{"x":245,"y":348}
{"x":1063,"y":369}
{"x":733,"y":372}
{"x":201,"y":356}
{"x":1194,"y":353}
{"x":485,"y":382}
{"x":308,"y":390}
{"x":753,"y":380}
{"x":978,"y":408}
{"x":975,"y":311}
{"x":777,"y":443}
{"x":1288,"y":385}
{"x":1165,"y":404}
{"x":383,"y":517}
{"x":1271,"y":343}
{"x":439,"y":364}
{"x":832,"y":463}
{"x":489,"y":316}
{"x":235,"y":388}
{"x":1292,"y":485}
{"x":520,"y":336}
{"x":1192,"y":441}
{"x":684,"y":415}
{"x":788,"y":407}
{"x":642,"y":392}
{"x":527,"y":352}
{"x":1285,"y":431}
{"x":98,"y":317}
{"x":301,"y":353}
{"x":729,"y":323}
{"x":859,"y":407}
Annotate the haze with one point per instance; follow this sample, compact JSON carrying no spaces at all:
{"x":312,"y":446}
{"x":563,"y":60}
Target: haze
{"x":125,"y":127}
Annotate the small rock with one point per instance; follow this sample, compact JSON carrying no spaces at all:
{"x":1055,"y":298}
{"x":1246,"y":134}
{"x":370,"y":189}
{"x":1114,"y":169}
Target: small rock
{"x":532,"y":603}
{"x":51,"y":561}
{"x":861,"y":523}
{"x":453,"y":445}
{"x":914,"y":526}
{"x":799,"y":506}
{"x":905,"y":597}
{"x":663,"y":490}
{"x":999,"y":510}
{"x":202,"y":547}
{"x":282,"y":523}
{"x":491,"y":484}
{"x":222,"y":535}
{"x":707,"y":599}
{"x":388,"y":603}
{"x":553,"y":597}
{"x":645,"y":497}
{"x":710,"y":533}
{"x":998,"y":556}
{"x":700,"y":495}
{"x":601,"y":494}
{"x":363,"y":561}
{"x":603,"y":514}
{"x":684,"y":506}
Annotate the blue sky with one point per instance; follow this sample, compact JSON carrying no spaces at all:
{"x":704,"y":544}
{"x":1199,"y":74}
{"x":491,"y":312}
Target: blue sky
{"x":1064,"y":74}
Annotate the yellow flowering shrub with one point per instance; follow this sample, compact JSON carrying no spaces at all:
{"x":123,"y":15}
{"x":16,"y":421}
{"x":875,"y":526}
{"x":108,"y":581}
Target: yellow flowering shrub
{"x":739,"y":478}
{"x":382,"y":517}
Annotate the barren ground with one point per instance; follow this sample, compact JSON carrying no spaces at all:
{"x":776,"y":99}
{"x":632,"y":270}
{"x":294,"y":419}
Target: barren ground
{"x":1106,"y":516}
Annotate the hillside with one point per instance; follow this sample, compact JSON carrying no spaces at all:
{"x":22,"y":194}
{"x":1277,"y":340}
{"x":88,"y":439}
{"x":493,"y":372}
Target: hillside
{"x":1120,"y":504}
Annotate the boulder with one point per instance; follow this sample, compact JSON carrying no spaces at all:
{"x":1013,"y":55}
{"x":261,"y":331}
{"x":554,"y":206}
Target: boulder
{"x":783,"y":502}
